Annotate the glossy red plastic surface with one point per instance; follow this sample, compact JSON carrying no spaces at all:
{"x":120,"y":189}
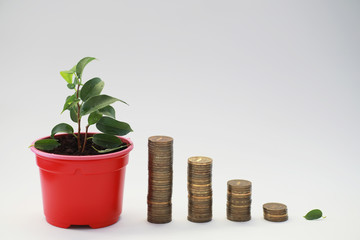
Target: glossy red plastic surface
{"x":83,"y":190}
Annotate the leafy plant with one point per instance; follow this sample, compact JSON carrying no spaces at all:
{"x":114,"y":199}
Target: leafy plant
{"x":87,"y":100}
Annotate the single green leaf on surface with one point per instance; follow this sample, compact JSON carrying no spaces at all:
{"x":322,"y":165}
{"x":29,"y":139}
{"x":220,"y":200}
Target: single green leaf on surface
{"x":91,"y":88}
{"x":46,"y":144}
{"x":95,"y":103}
{"x":106,"y":140}
{"x":73,"y":114}
{"x":63,"y":128}
{"x":67,"y":75}
{"x":111,"y":126}
{"x":70,"y":102}
{"x":81,"y":65}
{"x":94,"y":118}
{"x":108,"y":111}
{"x":313,"y":214}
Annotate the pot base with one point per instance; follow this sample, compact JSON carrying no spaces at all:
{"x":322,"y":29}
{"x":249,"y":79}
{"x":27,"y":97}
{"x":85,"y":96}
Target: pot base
{"x":56,"y":223}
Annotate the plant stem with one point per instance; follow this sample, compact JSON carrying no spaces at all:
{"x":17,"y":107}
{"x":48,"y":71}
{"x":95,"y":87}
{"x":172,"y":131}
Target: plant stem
{"x":85,"y":138}
{"x":79,"y":119}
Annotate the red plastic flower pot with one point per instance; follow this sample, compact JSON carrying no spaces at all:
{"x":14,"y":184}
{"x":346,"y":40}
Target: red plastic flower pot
{"x":83,"y":190}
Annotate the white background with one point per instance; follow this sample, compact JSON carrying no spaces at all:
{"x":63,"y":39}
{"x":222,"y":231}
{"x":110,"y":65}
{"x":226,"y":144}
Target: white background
{"x":268,"y":89}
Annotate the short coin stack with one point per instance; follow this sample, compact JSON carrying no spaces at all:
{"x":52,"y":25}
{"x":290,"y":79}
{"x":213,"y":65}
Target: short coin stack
{"x":238,"y":206}
{"x":160,"y":179}
{"x":199,"y":189}
{"x":275,"y":212}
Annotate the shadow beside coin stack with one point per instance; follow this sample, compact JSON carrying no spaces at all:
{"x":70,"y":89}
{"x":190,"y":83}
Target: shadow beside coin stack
{"x":160,"y":179}
{"x":199,"y":189}
{"x":238,"y":206}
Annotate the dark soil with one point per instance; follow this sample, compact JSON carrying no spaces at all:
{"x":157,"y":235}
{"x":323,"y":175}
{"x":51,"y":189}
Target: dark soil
{"x":69,"y":146}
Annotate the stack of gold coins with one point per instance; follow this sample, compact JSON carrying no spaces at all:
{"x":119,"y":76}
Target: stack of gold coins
{"x":199,"y":189}
{"x":160,"y":179}
{"x":238,"y":200}
{"x":275,"y":212}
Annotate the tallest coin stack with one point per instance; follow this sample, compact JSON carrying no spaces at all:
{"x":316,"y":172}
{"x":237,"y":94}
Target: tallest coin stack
{"x":160,"y":179}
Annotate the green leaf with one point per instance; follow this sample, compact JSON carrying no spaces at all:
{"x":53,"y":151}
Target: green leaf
{"x":71,"y":86}
{"x":106,"y":140}
{"x":111,"y":126}
{"x":73,"y":114}
{"x":313,"y":214}
{"x":46,"y":144}
{"x":81,"y":65}
{"x":73,"y":69}
{"x":67,"y":75}
{"x":70,"y":102}
{"x":63,"y":128}
{"x":95,"y":103}
{"x":110,"y":149}
{"x":91,"y":88}
{"x":94,"y":117}
{"x":76,"y":82}
{"x":108,"y":111}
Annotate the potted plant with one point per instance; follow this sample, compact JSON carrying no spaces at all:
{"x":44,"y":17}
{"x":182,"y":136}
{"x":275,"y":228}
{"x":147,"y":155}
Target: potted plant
{"x":82,"y":173}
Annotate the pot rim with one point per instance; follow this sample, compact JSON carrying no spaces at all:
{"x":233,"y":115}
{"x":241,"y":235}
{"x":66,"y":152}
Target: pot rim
{"x":84,"y":157}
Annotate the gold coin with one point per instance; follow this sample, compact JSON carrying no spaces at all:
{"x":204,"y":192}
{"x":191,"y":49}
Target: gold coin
{"x":195,"y":205}
{"x":159,"y":209}
{"x":161,"y":203}
{"x":275,"y":208}
{"x":239,"y":202}
{"x":160,"y":140}
{"x":238,"y":218}
{"x":200,"y":185}
{"x":239,"y":196}
{"x":200,"y":200}
{"x":160,"y":154}
{"x":200,"y":194}
{"x":200,"y":219}
{"x":159,"y":220}
{"x":239,"y":183}
{"x":199,"y":167}
{"x":158,"y":198}
{"x":200,"y":160}
{"x":276,"y":218}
